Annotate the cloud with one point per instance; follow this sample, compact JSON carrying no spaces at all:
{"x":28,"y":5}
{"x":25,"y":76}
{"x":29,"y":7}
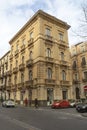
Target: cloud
{"x":15,"y":13}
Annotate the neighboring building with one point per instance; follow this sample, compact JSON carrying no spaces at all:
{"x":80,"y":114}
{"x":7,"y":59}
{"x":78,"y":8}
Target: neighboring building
{"x":79,"y":70}
{"x":4,"y":77}
{"x":40,"y":61}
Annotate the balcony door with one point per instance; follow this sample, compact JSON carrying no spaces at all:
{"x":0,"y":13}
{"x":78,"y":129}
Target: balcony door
{"x":64,"y":94}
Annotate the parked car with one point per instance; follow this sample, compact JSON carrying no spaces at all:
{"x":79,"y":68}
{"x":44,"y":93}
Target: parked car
{"x":74,"y":103}
{"x":81,"y":107}
{"x":60,"y":104}
{"x":8,"y":103}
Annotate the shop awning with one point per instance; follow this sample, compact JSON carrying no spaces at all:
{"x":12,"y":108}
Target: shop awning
{"x":85,"y":88}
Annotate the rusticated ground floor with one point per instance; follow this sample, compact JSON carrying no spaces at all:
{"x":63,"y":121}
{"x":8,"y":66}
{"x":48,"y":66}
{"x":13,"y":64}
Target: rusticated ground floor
{"x":45,"y":94}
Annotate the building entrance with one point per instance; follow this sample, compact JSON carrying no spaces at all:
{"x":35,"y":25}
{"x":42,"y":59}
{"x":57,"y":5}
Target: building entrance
{"x":50,"y":95}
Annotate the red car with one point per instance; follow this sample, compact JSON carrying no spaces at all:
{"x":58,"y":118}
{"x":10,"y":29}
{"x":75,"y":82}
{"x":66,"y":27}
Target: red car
{"x":60,"y":104}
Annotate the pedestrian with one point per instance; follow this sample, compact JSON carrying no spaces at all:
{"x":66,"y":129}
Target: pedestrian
{"x":26,"y":102}
{"x":36,"y":103}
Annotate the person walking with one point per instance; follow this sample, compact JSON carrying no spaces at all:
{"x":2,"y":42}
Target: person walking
{"x":26,"y":102}
{"x":36,"y":103}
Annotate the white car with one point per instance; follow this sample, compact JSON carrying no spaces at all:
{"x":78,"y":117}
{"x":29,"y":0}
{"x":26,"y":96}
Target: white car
{"x":73,"y":104}
{"x":8,"y":103}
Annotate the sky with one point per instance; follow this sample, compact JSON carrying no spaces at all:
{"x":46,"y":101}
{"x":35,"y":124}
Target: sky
{"x":15,"y":13}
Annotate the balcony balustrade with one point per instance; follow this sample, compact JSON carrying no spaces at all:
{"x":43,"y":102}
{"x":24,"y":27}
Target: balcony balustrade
{"x":84,"y":65}
{"x":30,"y":42}
{"x":21,"y":85}
{"x":11,"y":56}
{"x":15,"y":70}
{"x":84,"y":79}
{"x":63,"y":63}
{"x":49,"y":59}
{"x":1,"y":75}
{"x":76,"y":81}
{"x":29,"y":62}
{"x":23,"y":47}
{"x":29,"y":83}
{"x":50,"y":81}
{"x":16,"y":52}
{"x":9,"y":73}
{"x":48,"y":40}
{"x":21,"y":67}
{"x":9,"y":83}
{"x":65,"y":82}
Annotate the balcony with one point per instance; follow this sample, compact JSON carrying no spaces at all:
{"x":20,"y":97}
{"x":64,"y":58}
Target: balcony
{"x":30,"y":42}
{"x":29,"y":63}
{"x":15,"y":70}
{"x":29,"y":83}
{"x":9,"y":73}
{"x":84,"y":79}
{"x":11,"y":56}
{"x":22,"y":47}
{"x":5,"y":74}
{"x":50,"y":81}
{"x":64,"y":82}
{"x":21,"y":67}
{"x":20,"y":85}
{"x":48,"y":39}
{"x":16,"y":52}
{"x":83,"y":65}
{"x":2,"y":75}
{"x":14,"y":87}
{"x":49,"y":59}
{"x":76,"y":81}
{"x":62,"y":43}
{"x":63,"y":63}
{"x":8,"y":88}
{"x":9,"y":84}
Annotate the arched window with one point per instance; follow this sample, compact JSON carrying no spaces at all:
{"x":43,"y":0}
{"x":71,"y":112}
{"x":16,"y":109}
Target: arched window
{"x":62,"y":56}
{"x":48,"y":52}
{"x":22,"y":59}
{"x":22,"y":77}
{"x":74,"y":65}
{"x":83,"y":61}
{"x":63,"y":75}
{"x":30,"y":55}
{"x":15,"y":79}
{"x":49,"y":73}
{"x":30,"y":75}
{"x":16,"y":63}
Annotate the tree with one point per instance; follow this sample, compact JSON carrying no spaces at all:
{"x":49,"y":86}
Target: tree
{"x":82,"y":28}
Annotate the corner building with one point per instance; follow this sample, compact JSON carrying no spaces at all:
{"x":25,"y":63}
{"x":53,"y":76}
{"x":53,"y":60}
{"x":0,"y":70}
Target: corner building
{"x":40,"y":61}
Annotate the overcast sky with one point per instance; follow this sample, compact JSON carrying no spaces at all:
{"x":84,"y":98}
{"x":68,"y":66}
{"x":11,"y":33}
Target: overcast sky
{"x":15,"y":13}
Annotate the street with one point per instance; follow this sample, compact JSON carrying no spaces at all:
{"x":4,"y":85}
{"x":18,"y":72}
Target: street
{"x":25,"y":118}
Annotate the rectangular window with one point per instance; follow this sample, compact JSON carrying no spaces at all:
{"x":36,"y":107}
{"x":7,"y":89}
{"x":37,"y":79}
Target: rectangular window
{"x":31,"y":35}
{"x":82,"y":48}
{"x":23,"y":41}
{"x":76,"y":76}
{"x":48,"y":32}
{"x":61,"y":36}
{"x":17,"y":47}
{"x":85,"y":75}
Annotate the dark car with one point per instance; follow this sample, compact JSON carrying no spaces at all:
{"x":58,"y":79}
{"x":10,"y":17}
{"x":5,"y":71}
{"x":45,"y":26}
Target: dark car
{"x":81,"y":107}
{"x":60,"y":104}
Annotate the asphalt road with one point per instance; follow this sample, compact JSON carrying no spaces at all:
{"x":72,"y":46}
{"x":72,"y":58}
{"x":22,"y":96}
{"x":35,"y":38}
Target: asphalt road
{"x":21,"y":118}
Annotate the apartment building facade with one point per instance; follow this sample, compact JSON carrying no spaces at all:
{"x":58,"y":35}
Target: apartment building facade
{"x":39,"y":61}
{"x":4,"y":77}
{"x":79,"y":70}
